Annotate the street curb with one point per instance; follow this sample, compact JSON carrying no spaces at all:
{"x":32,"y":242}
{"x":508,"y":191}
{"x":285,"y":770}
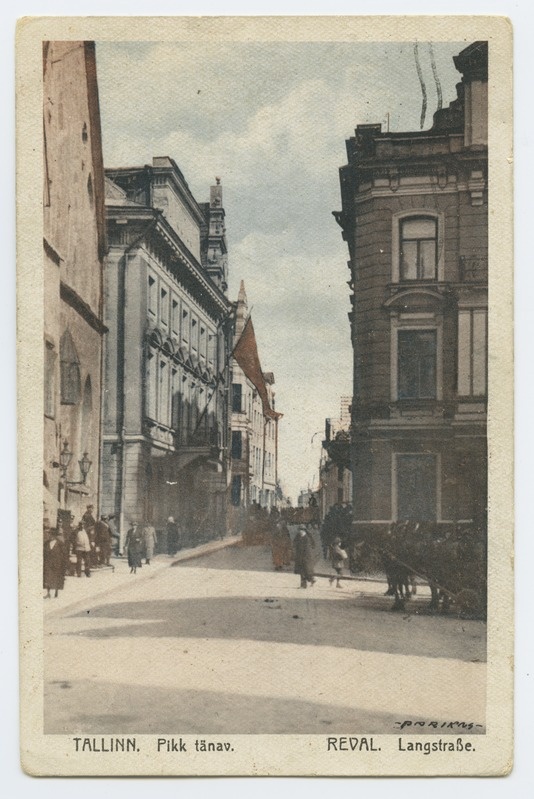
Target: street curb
{"x":202,"y":549}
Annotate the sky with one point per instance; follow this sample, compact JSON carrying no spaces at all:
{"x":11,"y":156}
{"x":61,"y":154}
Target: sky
{"x":271,"y":120}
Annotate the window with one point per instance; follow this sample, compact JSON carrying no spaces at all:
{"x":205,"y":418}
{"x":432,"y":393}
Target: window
{"x":237,"y":397}
{"x":185,"y":325}
{"x":151,"y":387}
{"x":152,"y":296}
{"x":416,"y":487}
{"x":175,"y":317}
{"x":163,"y":415}
{"x":212,"y":347}
{"x":416,"y":364}
{"x":70,"y":371}
{"x":418,"y":248}
{"x":472,"y":352}
{"x":202,"y":342}
{"x":50,"y":380}
{"x":237,"y":445}
{"x":164,"y":307}
{"x":194,"y":334}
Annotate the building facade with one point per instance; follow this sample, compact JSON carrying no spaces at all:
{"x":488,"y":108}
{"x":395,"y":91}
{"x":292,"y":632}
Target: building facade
{"x":335,"y":476}
{"x":167,"y":370}
{"x":74,"y":244}
{"x":415,"y":218}
{"x":254,"y":446}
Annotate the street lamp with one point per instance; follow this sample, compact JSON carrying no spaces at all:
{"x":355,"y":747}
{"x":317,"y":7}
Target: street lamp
{"x":85,"y":466}
{"x":65,"y":457}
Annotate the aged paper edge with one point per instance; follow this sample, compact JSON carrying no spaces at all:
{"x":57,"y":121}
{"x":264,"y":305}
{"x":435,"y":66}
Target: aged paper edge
{"x":50,"y":755}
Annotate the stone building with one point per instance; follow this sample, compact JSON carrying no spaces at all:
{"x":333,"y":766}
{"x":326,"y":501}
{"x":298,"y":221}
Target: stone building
{"x":167,"y":371}
{"x":74,"y":247}
{"x":254,"y":434}
{"x":415,"y":218}
{"x":335,"y":477}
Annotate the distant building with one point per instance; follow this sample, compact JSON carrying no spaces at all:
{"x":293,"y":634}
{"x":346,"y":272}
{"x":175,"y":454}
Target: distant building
{"x":335,"y":477}
{"x":254,"y":435}
{"x":167,"y":371}
{"x":74,"y":247}
{"x":415,"y":218}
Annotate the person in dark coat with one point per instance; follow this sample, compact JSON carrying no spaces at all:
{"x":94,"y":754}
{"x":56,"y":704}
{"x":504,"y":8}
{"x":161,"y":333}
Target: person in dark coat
{"x":134,"y":546}
{"x":304,"y":557}
{"x":54,"y":563}
{"x":103,"y":541}
{"x":173,"y":536}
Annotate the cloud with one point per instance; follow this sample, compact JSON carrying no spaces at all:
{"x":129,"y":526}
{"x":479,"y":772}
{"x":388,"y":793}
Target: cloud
{"x":271,"y":120}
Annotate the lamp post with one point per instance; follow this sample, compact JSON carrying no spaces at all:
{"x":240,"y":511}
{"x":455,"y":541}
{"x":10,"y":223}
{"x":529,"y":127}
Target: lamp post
{"x":65,"y":457}
{"x":85,"y":466}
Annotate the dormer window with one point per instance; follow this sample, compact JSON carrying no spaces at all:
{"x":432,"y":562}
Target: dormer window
{"x":418,"y":248}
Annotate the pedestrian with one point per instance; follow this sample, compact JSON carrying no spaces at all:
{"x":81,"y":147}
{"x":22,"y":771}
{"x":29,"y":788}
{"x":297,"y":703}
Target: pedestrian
{"x":304,"y":559}
{"x":150,"y":540}
{"x":280,"y":545}
{"x":173,"y":536}
{"x":54,"y":563}
{"x":82,"y":549}
{"x":338,"y":556}
{"x":103,"y":541}
{"x":134,"y":547}
{"x":88,"y":520}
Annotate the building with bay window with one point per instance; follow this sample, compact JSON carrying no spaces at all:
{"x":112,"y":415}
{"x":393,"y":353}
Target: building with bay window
{"x":167,"y":371}
{"x":415,"y":219}
{"x":254,"y":448}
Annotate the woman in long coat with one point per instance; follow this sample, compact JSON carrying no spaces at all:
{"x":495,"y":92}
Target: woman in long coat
{"x":304,"y":558}
{"x":54,"y":564}
{"x":134,"y":547}
{"x":150,"y":540}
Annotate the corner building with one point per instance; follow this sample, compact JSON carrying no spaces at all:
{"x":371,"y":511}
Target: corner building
{"x":166,"y":420}
{"x":415,"y":218}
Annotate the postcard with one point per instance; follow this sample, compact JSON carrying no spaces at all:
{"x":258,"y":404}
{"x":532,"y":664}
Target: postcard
{"x":265,"y":391}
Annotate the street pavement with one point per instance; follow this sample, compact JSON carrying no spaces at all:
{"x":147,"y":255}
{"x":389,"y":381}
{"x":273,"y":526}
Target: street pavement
{"x":221,"y":643}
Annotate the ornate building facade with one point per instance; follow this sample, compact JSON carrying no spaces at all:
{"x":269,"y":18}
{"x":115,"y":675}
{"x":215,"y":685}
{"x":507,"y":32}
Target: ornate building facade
{"x":415,"y":218}
{"x":335,"y":477}
{"x":167,"y":357}
{"x":254,"y":435}
{"x":74,"y":248}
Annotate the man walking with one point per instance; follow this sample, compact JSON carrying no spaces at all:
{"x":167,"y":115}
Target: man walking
{"x":82,"y":548}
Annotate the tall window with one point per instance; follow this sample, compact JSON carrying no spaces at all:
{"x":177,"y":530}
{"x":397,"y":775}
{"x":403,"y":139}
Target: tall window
{"x":237,"y":445}
{"x":151,"y":386}
{"x":163,"y":415}
{"x":416,"y":487}
{"x":417,"y":364}
{"x":175,"y":317}
{"x":237,"y":397}
{"x":152,"y":296}
{"x":418,"y":249}
{"x":50,"y":380}
{"x":164,"y":307}
{"x":70,"y":370}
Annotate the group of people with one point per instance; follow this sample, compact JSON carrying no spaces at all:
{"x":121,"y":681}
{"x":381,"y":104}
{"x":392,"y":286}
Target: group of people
{"x":302,"y":552}
{"x":89,"y":542}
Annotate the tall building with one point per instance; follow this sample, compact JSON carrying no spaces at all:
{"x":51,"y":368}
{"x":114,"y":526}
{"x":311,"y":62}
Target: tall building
{"x":415,"y":218}
{"x":74,"y":244}
{"x":167,"y":370}
{"x":254,"y":429}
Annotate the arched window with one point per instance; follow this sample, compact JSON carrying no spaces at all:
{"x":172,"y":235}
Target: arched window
{"x":70,"y":371}
{"x":418,"y":248}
